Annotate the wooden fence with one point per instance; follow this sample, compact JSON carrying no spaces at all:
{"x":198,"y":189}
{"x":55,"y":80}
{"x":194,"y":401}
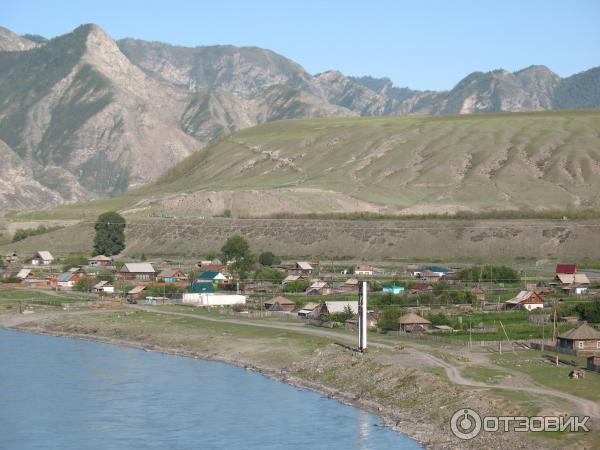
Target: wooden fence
{"x":475,"y":343}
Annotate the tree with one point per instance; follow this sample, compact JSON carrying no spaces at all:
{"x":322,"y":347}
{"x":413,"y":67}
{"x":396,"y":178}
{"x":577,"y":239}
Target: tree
{"x":268,"y":274}
{"x":110,"y":234}
{"x":268,"y":259}
{"x":388,"y":319}
{"x":73,"y":261}
{"x":296,"y":286}
{"x":237,"y":248}
{"x":85,"y":284}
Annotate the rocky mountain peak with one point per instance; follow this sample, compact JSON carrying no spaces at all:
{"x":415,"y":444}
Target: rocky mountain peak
{"x":12,"y":42}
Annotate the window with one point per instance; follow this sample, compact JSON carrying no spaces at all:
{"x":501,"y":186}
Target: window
{"x":581,"y":344}
{"x":597,"y":344}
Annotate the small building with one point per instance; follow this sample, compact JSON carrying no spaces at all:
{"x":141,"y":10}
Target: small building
{"x":142,"y":271}
{"x":104,"y":287}
{"x":364,"y":269}
{"x":42,"y":258}
{"x":214,"y":299}
{"x":308,"y":310}
{"x":339,"y":307}
{"x":69,"y":278}
{"x":392,"y":289}
{"x":213,"y":277}
{"x":301,"y":268}
{"x":292,"y":278}
{"x":421,"y":287}
{"x":171,"y":276}
{"x":25,"y":274}
{"x":136,"y":292}
{"x":11,"y":258}
{"x":280,"y":303}
{"x":583,"y":339}
{"x":443,"y":328}
{"x":101,"y":261}
{"x":431,"y":272}
{"x":413,"y":323}
{"x":568,"y":319}
{"x":577,"y":283}
{"x":528,"y":300}
{"x":319,"y":288}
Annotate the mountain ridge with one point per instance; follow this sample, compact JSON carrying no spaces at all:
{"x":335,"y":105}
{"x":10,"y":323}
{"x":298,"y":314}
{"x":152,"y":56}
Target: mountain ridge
{"x":84,"y":116}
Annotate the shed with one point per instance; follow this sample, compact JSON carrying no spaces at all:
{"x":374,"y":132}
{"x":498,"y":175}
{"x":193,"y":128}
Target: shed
{"x":319,"y":288}
{"x":100,"y":261}
{"x":528,"y":300}
{"x":136,"y":291}
{"x":392,"y":289}
{"x":279,"y":303}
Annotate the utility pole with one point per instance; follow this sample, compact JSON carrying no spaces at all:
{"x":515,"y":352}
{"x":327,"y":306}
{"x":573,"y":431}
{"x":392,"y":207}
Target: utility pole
{"x":362,"y":316}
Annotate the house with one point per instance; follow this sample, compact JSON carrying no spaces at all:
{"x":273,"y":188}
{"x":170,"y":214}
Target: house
{"x":319,"y":288}
{"x":566,"y":269}
{"x":136,"y":292}
{"x":104,"y":287}
{"x":583,"y":339}
{"x":569,"y":319}
{"x":351,"y":283}
{"x":443,"y":328}
{"x":25,"y":274}
{"x":69,"y":278}
{"x":292,"y":278}
{"x":42,"y":258}
{"x":171,"y":276}
{"x":213,"y":277}
{"x":100,"y":261}
{"x":300,"y":268}
{"x":577,"y":282}
{"x":412,"y":323}
{"x":11,"y":258}
{"x":363,"y":269}
{"x":528,"y":300}
{"x":279,"y":304}
{"x":339,"y":307}
{"x":142,"y":271}
{"x":308,"y":310}
{"x":392,"y":289}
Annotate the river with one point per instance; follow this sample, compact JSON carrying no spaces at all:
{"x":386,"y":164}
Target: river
{"x":59,"y":393}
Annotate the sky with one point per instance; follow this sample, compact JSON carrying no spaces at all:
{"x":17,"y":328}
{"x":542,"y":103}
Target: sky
{"x":421,"y":44}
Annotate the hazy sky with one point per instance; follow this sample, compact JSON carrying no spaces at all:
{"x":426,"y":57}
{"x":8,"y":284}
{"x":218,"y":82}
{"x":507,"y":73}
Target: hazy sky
{"x":421,"y":44}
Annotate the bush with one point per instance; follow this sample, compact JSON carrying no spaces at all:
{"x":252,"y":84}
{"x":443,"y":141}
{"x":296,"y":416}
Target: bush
{"x":85,"y":284}
{"x":27,"y":232}
{"x":296,"y":286}
{"x":10,"y":280}
{"x":268,"y":259}
{"x":268,"y":274}
{"x":502,"y":274}
{"x":388,"y":319}
{"x":340,"y":317}
{"x":73,"y":261}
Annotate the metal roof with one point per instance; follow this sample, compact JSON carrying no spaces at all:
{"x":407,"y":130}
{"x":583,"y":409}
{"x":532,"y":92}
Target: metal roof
{"x":45,"y":255}
{"x":142,"y":267}
{"x":411,"y":318}
{"x":304,"y":265}
{"x":338,"y":307}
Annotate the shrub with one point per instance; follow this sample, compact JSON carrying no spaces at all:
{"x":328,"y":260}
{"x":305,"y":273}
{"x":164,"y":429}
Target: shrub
{"x":296,"y":286}
{"x":268,"y":259}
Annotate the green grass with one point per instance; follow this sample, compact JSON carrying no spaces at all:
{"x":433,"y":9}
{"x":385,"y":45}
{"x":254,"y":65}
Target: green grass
{"x":483,"y":374}
{"x":540,"y":369}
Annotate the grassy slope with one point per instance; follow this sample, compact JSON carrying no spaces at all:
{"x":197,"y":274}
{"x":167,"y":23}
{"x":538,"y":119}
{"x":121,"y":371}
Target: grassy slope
{"x":492,"y":161}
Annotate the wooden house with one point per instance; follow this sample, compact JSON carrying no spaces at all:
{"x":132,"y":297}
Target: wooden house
{"x":171,"y":276}
{"x":142,"y":271}
{"x":528,"y":300}
{"x":300,"y":268}
{"x":279,"y":304}
{"x":413,"y":323}
{"x":69,"y":278}
{"x":101,"y":261}
{"x":104,"y":287}
{"x":319,"y":288}
{"x":583,"y":340}
{"x":42,"y":258}
{"x":364,"y":269}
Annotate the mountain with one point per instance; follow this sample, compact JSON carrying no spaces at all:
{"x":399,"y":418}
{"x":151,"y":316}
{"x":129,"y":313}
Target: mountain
{"x":11,"y":42}
{"x":84,"y":121}
{"x":83,"y":116}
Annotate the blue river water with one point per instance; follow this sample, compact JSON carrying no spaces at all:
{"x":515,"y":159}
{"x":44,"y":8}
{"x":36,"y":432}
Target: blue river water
{"x":58,"y":393}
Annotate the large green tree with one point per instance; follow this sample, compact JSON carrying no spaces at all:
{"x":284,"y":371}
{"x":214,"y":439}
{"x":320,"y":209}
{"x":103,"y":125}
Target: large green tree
{"x":110,"y":234}
{"x":237,"y":248}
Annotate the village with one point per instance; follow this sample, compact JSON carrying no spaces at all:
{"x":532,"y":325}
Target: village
{"x":467,"y":306}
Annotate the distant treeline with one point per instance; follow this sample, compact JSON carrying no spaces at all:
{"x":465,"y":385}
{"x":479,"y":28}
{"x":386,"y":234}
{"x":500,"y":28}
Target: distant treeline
{"x":550,"y":214}
{"x":27,"y":232}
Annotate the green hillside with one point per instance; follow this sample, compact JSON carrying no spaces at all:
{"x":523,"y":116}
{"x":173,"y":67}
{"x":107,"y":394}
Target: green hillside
{"x":548,"y":160}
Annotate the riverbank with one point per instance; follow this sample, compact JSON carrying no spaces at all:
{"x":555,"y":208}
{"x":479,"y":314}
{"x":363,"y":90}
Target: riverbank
{"x":417,"y":401}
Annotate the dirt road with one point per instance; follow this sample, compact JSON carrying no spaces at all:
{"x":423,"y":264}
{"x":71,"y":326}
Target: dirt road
{"x":583,"y":406}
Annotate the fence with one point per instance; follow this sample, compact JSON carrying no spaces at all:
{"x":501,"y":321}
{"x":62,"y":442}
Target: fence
{"x":475,"y":343}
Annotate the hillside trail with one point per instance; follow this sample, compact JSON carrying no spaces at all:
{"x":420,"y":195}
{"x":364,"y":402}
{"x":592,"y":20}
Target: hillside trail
{"x":583,"y":406}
